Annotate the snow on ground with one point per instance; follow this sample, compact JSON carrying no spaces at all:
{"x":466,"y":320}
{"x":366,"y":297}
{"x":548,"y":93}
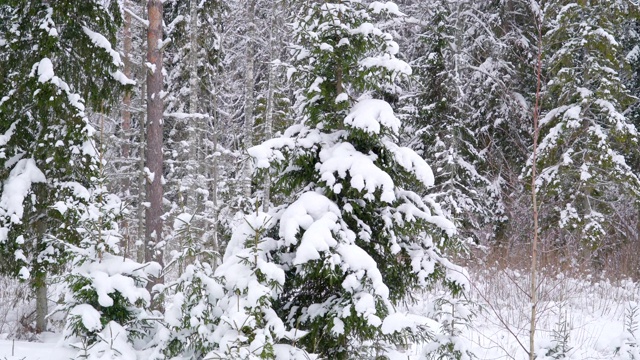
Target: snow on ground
{"x":46,"y":350}
{"x":594,"y":311}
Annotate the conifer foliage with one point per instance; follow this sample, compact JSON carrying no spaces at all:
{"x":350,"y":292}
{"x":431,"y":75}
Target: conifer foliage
{"x":105,"y":297}
{"x":587,"y":138}
{"x":56,"y":65}
{"x":355,"y":239}
{"x":447,"y":124}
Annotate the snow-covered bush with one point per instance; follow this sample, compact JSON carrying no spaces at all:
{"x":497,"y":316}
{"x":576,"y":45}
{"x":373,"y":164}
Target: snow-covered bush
{"x":228,"y":314}
{"x":454,"y":315}
{"x":192,"y":313}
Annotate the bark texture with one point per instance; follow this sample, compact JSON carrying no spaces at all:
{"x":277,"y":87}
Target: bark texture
{"x":154,"y":156}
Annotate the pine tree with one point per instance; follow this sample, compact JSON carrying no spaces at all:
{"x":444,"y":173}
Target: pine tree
{"x":57,"y":65}
{"x":355,"y":238}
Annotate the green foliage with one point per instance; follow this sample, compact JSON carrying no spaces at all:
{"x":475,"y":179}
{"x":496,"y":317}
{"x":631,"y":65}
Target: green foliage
{"x":587,"y":141}
{"x":342,"y":59}
{"x":102,"y":287}
{"x":119,"y":312}
{"x":332,"y":43}
{"x":56,"y":65}
{"x":560,"y":338}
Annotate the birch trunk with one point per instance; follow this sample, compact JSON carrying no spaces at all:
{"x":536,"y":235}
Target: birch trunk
{"x":534,"y":199}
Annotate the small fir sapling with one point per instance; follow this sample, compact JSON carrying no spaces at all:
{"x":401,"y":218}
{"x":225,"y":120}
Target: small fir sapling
{"x":249,"y":327}
{"x":629,"y":348}
{"x":105,"y":293}
{"x":454,"y":313}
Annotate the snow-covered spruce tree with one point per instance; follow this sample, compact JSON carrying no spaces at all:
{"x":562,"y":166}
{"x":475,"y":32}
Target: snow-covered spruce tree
{"x":105,"y":295}
{"x":249,"y":327}
{"x":191,"y":315}
{"x":442,"y":123}
{"x":56,"y":60}
{"x":586,"y":137}
{"x":192,"y":61}
{"x":454,"y":314}
{"x":229,"y":314}
{"x":355,"y":239}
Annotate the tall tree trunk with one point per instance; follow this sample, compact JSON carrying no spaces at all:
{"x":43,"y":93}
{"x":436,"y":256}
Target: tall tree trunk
{"x":249,"y":100}
{"x":534,"y":199}
{"x":195,"y":128}
{"x":39,"y":281}
{"x":215,"y":246}
{"x":126,"y":125}
{"x":269,"y":114}
{"x":42,"y":306}
{"x":212,"y":171}
{"x":154,"y":156}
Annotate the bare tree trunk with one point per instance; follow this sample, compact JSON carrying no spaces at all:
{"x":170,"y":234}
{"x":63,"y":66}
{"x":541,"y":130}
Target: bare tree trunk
{"x":126,"y":124}
{"x":213,"y":172}
{"x":42,"y":306}
{"x":269,"y":116}
{"x":140,"y":215}
{"x":195,"y":128}
{"x":39,"y":281}
{"x":249,"y":94}
{"x":126,"y":101}
{"x":154,"y":156}
{"x":215,"y":246}
{"x":534,"y":198}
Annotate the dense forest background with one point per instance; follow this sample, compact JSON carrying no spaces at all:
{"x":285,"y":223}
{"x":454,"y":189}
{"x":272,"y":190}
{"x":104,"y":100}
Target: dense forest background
{"x":154,"y":134}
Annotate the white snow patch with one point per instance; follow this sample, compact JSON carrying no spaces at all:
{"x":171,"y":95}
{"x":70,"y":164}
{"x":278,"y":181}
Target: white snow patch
{"x":45,"y":70}
{"x":343,"y":158}
{"x":17,"y":187}
{"x":89,"y":316}
{"x":369,"y":114}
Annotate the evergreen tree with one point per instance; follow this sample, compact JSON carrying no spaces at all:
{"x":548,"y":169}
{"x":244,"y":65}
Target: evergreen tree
{"x":444,"y":122}
{"x":355,"y":239}
{"x":249,"y":327}
{"x":57,"y":64}
{"x":105,"y":292}
{"x":586,"y":138}
{"x":192,"y":314}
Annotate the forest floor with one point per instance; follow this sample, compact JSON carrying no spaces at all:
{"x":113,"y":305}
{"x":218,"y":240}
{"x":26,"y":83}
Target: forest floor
{"x":588,"y":317}
{"x":47,"y":349}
